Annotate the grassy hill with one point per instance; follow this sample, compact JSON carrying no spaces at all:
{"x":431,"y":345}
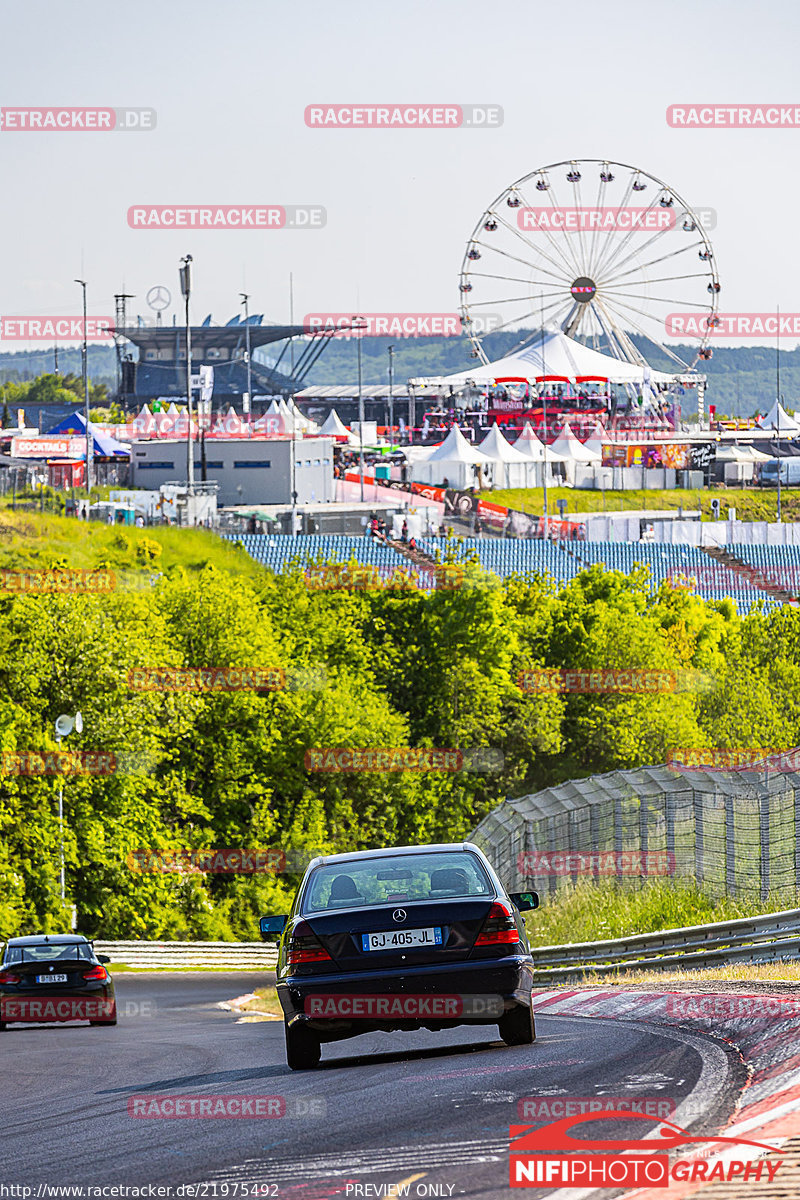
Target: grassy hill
{"x":36,"y":541}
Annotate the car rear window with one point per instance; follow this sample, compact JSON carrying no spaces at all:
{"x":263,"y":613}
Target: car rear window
{"x":398,"y":879}
{"x":65,"y":952}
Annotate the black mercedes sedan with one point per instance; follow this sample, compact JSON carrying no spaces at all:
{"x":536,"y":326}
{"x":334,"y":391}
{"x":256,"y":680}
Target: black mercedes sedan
{"x":55,"y":977}
{"x":415,"y":937}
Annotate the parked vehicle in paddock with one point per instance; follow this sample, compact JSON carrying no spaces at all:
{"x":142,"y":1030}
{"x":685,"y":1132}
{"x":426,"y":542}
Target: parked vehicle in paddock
{"x":405,"y":938}
{"x":788,"y":468}
{"x":55,"y":977}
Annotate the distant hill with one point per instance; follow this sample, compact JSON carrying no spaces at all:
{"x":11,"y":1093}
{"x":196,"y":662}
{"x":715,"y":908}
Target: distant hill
{"x":740,"y":380}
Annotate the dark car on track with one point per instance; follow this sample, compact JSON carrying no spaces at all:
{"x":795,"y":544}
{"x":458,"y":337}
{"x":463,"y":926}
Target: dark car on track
{"x":407,"y":938}
{"x":55,"y":977}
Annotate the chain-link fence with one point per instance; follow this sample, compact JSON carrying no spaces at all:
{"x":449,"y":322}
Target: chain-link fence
{"x":731,"y":832}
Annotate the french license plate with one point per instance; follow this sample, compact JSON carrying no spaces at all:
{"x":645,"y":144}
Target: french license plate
{"x":51,"y":978}
{"x":395,"y":939}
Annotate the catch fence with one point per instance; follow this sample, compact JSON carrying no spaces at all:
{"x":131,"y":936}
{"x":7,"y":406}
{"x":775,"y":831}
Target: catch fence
{"x":734,"y":833}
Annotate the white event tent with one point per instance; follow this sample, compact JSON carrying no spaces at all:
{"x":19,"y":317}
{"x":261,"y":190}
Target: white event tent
{"x":555,"y":356}
{"x":528,"y":443}
{"x":571,"y":452}
{"x":510,"y":467}
{"x":454,"y":460}
{"x":568,"y":447}
{"x":144,"y":423}
{"x":334,"y":426}
{"x":779,"y":420}
{"x":594,"y":442}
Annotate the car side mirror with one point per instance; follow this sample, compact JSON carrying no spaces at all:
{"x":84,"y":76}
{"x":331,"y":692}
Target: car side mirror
{"x":524,"y":901}
{"x":103,"y":958}
{"x":271,"y":925}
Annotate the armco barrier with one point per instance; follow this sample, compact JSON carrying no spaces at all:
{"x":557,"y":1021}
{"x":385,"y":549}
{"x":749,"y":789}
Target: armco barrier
{"x":774,"y":937}
{"x":230,"y":956}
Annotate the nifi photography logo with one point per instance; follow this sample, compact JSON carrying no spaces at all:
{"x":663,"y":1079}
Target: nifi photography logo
{"x":549,"y":1155}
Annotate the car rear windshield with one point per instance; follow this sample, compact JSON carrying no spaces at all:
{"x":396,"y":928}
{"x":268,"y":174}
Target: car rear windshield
{"x":396,"y":879}
{"x":63,"y":952}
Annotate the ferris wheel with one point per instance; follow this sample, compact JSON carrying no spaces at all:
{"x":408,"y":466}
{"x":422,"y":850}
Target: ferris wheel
{"x":602,"y":250}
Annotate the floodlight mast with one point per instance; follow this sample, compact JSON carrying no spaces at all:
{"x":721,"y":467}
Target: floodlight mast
{"x":85,"y":373}
{"x":64,"y":726}
{"x":185,"y":273}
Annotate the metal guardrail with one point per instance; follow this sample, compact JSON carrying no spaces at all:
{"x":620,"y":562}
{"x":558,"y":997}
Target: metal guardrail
{"x":771,"y":938}
{"x":750,"y":939}
{"x":231,"y":956}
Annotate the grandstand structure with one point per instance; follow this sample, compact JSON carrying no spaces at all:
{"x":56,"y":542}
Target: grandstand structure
{"x":279,"y":552}
{"x":681,"y":565}
{"x":160,"y":371}
{"x":750,"y":575}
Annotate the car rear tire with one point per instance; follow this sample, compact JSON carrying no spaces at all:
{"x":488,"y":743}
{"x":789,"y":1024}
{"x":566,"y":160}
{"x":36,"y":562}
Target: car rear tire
{"x":517,"y":1026}
{"x":303,"y":1050}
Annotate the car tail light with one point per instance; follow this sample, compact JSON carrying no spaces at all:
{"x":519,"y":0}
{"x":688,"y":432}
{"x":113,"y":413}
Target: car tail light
{"x":9,"y":977}
{"x":304,"y":947}
{"x":499,"y":927}
{"x":99,"y":973}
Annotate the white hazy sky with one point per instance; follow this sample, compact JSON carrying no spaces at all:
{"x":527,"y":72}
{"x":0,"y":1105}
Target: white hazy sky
{"x":230,"y":82}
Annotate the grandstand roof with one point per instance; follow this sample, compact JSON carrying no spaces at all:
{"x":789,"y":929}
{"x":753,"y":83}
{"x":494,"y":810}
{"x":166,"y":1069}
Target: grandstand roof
{"x":158,"y":337}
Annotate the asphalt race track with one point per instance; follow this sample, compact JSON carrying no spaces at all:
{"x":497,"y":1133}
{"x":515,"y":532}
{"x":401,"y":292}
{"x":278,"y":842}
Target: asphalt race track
{"x":433,"y":1108}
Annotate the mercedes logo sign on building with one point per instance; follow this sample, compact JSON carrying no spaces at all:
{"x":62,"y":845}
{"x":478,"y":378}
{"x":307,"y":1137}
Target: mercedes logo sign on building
{"x":399,"y":914}
{"x":158,"y":297}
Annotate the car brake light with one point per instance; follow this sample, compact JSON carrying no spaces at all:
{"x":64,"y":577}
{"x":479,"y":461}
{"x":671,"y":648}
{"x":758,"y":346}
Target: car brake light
{"x":499,"y":927}
{"x":304,"y":947}
{"x":96,"y":973}
{"x":9,"y":977}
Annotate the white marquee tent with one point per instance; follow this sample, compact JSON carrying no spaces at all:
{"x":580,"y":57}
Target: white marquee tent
{"x":511,"y":468}
{"x":555,"y":356}
{"x":568,"y":447}
{"x":572,"y":453}
{"x":594,"y":442}
{"x":779,"y":420}
{"x":528,"y":443}
{"x":334,"y":426}
{"x":454,"y":460}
